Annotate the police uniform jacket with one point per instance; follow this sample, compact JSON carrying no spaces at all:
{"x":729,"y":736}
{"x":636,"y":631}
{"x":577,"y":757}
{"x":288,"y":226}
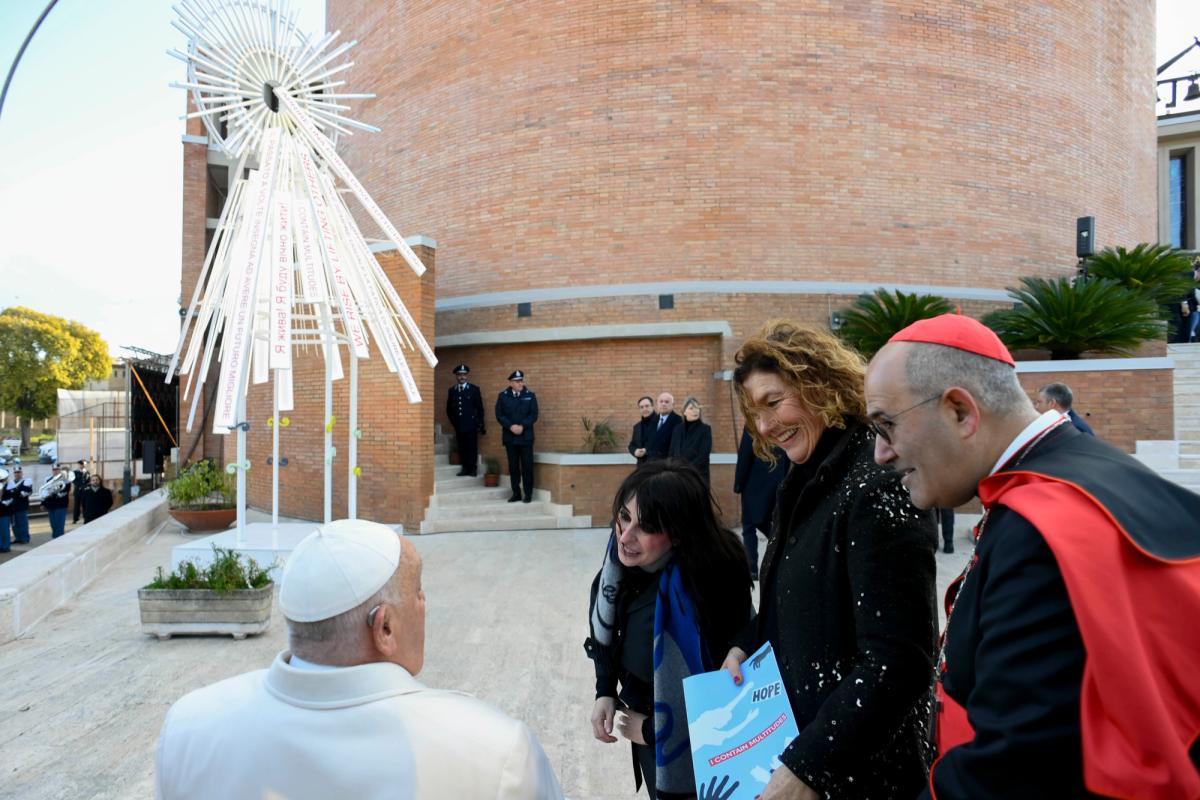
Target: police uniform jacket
{"x":464,"y":407}
{"x":517,"y":409}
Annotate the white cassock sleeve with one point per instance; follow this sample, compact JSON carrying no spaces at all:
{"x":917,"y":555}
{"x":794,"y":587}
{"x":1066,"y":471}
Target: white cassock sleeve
{"x":527,"y":772}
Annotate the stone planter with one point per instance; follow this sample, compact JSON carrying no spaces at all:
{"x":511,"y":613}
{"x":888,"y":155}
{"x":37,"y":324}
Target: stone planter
{"x":240,"y":613}
{"x":208,"y":519}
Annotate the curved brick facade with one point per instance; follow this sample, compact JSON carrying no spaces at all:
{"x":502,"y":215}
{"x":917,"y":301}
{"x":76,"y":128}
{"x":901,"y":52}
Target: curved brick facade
{"x":605,"y":142}
{"x":560,"y":145}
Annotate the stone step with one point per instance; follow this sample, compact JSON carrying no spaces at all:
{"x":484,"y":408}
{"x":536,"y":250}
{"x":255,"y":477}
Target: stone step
{"x":453,"y":482}
{"x":495,"y":523}
{"x":498,"y":508}
{"x":457,"y":495}
{"x":1187,"y":478}
{"x":442,"y":471}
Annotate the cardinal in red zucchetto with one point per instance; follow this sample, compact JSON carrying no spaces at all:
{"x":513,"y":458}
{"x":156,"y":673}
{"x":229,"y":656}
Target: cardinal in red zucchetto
{"x":1070,"y":661}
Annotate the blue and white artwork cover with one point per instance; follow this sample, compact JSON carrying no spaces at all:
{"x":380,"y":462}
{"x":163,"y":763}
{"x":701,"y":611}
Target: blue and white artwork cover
{"x":738,"y":732}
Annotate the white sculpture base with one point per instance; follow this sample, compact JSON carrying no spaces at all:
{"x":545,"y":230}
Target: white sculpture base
{"x":262,"y":541}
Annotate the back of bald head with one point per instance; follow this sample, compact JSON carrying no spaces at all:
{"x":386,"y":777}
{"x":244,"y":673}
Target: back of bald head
{"x":933,"y":368}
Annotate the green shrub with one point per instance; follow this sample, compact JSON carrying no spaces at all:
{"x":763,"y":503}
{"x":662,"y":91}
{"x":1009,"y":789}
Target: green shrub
{"x":226,"y":573}
{"x":1068,"y":319}
{"x":202,"y":486}
{"x":491,"y":465}
{"x":599,"y":436}
{"x":874,"y":318}
{"x":1157,"y":271}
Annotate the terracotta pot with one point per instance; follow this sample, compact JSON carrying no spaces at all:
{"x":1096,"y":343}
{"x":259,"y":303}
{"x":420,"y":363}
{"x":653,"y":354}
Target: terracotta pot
{"x":455,"y":458}
{"x":209,"y":519}
{"x":491,"y":479}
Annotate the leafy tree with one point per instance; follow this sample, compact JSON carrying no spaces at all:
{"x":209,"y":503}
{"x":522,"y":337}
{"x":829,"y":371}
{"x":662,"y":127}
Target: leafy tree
{"x":875,"y":318}
{"x":1157,"y":271}
{"x":40,"y":354}
{"x":1068,"y":319}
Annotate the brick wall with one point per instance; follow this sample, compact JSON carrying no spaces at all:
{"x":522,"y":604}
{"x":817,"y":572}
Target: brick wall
{"x":558,"y":143}
{"x":1122,"y":406}
{"x":590,"y":489}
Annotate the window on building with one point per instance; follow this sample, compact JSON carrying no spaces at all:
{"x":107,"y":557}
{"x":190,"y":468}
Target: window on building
{"x":1177,"y":195}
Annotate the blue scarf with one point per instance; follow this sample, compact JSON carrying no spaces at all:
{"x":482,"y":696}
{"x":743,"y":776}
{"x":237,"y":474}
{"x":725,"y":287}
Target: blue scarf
{"x":678,"y":654}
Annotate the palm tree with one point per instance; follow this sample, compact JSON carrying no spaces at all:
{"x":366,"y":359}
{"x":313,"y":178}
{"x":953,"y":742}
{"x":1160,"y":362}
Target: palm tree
{"x":1158,"y":271}
{"x":875,"y":318}
{"x":1070,"y":318}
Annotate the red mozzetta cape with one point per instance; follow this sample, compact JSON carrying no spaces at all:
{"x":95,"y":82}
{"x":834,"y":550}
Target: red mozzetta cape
{"x":1139,"y":617}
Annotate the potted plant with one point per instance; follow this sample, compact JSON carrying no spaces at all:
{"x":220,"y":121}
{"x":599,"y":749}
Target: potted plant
{"x":452,"y":453}
{"x":598,"y":436}
{"x":228,"y":596}
{"x":491,"y":471}
{"x":202,"y":498}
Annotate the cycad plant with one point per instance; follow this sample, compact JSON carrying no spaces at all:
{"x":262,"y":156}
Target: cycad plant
{"x":1097,"y":315}
{"x":875,"y":318}
{"x":1158,"y":271}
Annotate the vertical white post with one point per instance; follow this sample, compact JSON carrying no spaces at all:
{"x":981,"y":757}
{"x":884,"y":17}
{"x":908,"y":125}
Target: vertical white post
{"x":241,"y":470}
{"x":352,"y":450}
{"x":275,"y":453}
{"x":328,"y":431}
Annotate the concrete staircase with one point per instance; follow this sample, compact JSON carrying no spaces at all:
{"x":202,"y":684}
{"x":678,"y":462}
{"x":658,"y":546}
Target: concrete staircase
{"x":465,"y":504}
{"x":1178,"y":460}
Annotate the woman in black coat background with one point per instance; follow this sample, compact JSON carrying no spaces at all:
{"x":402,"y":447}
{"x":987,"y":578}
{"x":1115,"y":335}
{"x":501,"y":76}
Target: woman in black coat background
{"x":847,"y":591}
{"x":692,"y":441}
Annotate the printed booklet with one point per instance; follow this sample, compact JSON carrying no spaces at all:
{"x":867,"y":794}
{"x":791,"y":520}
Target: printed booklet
{"x":738,"y":732}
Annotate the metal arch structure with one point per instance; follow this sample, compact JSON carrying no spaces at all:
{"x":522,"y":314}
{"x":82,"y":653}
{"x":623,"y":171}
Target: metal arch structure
{"x":288,"y":266}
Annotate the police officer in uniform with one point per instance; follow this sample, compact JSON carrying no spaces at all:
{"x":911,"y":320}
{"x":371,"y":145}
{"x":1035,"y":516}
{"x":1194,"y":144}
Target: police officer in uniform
{"x":464,"y":407}
{"x":517,"y":411}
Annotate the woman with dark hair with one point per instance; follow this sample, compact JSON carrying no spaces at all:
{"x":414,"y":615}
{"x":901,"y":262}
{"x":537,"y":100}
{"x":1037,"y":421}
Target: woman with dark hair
{"x":673,"y":574}
{"x":692,"y":441}
{"x":847,"y":580}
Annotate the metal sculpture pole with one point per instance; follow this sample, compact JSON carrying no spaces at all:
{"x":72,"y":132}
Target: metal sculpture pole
{"x":288,"y":266}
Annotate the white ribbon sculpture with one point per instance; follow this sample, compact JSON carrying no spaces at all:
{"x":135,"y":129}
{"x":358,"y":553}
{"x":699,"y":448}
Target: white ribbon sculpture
{"x":288,"y":266}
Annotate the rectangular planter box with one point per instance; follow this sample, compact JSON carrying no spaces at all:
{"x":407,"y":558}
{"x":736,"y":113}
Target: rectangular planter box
{"x":166,"y":612}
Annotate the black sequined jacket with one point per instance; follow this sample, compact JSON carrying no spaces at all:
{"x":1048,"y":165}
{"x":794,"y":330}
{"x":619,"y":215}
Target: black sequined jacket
{"x":847,"y":599}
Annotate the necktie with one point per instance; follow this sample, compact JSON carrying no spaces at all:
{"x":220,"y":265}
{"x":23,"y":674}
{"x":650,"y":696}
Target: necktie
{"x":661,"y":420}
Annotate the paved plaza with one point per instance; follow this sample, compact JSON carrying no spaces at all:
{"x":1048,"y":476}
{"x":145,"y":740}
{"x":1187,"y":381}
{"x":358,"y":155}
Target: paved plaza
{"x":84,"y":691}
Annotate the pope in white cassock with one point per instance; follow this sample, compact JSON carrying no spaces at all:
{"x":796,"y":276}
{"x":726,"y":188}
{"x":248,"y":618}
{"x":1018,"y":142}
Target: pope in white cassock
{"x":340,"y":714}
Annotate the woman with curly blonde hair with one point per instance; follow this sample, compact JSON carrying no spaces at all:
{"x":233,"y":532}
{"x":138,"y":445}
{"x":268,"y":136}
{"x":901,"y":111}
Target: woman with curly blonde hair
{"x":847,"y":591}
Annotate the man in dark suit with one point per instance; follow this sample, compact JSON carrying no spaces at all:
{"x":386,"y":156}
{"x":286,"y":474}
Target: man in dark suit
{"x":79,"y":480}
{"x":756,"y":481}
{"x":464,"y":407}
{"x":664,"y":426}
{"x":642,"y":429}
{"x":1059,"y":397}
{"x":517,"y":411}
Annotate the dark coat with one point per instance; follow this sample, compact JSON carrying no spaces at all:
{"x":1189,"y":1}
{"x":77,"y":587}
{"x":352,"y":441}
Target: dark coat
{"x":96,"y":502}
{"x":1014,"y":653}
{"x":464,"y":407}
{"x":692,"y":442}
{"x":1080,"y":423}
{"x":847,"y":599}
{"x":8,"y":498}
{"x":757,"y":482}
{"x":517,"y":409}
{"x":59,"y":500}
{"x":22,"y":490}
{"x":660,"y":438}
{"x":643,"y":430}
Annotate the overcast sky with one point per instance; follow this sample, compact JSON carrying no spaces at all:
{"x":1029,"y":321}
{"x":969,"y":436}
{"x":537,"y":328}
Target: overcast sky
{"x":91,"y":160}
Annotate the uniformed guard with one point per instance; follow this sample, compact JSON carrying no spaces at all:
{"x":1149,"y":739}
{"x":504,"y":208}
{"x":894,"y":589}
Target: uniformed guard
{"x":517,"y":411}
{"x":464,"y":407}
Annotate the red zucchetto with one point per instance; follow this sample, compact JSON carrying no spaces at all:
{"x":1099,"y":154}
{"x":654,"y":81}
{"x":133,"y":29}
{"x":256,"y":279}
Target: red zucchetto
{"x":959,"y":332}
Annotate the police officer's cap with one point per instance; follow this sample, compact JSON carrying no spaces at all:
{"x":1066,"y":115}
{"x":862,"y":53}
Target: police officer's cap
{"x":517,"y":375}
{"x":461,"y":369}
